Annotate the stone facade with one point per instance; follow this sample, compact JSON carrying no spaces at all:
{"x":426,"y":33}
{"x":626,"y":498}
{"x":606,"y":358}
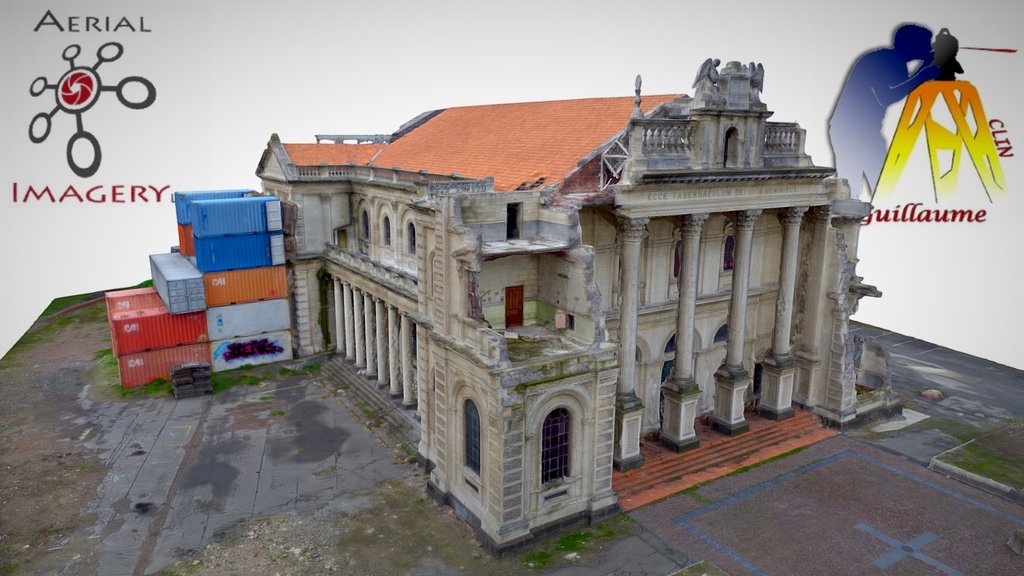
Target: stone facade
{"x":695,"y":263}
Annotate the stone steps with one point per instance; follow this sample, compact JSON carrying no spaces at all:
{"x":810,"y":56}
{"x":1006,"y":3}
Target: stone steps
{"x":374,"y":402}
{"x":667,"y":473}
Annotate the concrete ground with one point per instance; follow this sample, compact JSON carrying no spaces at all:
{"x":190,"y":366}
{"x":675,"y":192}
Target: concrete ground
{"x":183,"y":472}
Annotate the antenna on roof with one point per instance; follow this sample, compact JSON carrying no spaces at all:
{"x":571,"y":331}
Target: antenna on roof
{"x":637,"y":112}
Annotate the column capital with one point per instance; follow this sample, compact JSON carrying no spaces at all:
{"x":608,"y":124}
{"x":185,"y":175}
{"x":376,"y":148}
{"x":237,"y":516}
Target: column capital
{"x":691,"y":224}
{"x":744,"y":219}
{"x":820,"y":214}
{"x":792,"y":216}
{"x":633,"y":228}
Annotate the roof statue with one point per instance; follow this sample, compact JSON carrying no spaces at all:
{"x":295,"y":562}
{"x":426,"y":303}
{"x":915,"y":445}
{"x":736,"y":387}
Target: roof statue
{"x":756,"y":82}
{"x":637,"y":112}
{"x":706,"y":84}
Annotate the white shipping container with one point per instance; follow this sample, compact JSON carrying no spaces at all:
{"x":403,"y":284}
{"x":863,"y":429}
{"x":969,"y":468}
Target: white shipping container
{"x":247,"y":319}
{"x":179,"y":283}
{"x":251,"y":350}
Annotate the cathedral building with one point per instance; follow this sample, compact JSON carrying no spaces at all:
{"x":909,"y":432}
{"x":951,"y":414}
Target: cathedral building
{"x":548,"y":284}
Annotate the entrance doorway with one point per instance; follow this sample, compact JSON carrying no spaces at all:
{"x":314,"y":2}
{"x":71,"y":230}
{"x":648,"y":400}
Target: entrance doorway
{"x":513,"y":306}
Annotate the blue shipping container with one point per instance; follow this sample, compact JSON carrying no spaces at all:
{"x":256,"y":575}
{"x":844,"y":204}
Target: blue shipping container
{"x":249,"y":215}
{"x":220,"y":253}
{"x":182,"y":200}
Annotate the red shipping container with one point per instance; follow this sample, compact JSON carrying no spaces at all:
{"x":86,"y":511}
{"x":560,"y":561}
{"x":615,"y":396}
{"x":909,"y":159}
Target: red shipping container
{"x":141,"y":368}
{"x":155,"y":328}
{"x":129,"y":300}
{"x":186,"y":243}
{"x":250,"y":285}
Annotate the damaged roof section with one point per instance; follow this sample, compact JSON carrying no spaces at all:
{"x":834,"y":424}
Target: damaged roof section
{"x":524,"y":146}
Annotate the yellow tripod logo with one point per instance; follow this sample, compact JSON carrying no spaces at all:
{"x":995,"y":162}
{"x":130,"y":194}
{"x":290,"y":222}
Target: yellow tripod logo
{"x":964,"y":104}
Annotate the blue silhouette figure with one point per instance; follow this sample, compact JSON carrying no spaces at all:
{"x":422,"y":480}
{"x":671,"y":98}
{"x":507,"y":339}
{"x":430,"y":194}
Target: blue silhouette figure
{"x":879,"y":79}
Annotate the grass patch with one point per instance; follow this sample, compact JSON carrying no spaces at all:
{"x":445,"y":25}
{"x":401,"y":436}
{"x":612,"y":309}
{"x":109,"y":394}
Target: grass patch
{"x":743,"y":469}
{"x":574,"y":542}
{"x":65,"y":302}
{"x":221,"y":381}
{"x":106,"y":365}
{"x":694,"y":492}
{"x":277,"y":413}
{"x":955,"y":427}
{"x":538,"y":560}
{"x":998,"y":456}
{"x":306,"y":370}
{"x":158,"y":387}
{"x":580,"y":541}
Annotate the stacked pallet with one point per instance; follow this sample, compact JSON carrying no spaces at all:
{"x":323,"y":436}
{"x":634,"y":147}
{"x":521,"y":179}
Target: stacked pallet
{"x":191,"y":379}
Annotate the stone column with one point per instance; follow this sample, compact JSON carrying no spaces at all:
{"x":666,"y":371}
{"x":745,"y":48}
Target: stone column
{"x":408,"y":397}
{"x":339,"y":314}
{"x":350,"y":339}
{"x":732,"y":379}
{"x":359,"y":316}
{"x":380,"y":317}
{"x":681,"y":392}
{"x":628,"y":408}
{"x":809,"y":352}
{"x":393,"y":380}
{"x":779,"y":368}
{"x":369,"y":333}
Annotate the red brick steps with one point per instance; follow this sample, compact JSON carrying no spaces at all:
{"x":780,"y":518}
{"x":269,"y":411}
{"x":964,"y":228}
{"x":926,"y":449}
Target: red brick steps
{"x":665,"y":472}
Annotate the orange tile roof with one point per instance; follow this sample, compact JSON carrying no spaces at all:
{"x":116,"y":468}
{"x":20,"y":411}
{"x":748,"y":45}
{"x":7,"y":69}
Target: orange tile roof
{"x":515,"y":143}
{"x":316,"y":154}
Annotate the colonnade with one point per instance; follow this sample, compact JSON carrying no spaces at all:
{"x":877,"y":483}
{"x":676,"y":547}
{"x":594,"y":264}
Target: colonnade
{"x":682,"y":394}
{"x":378,"y":337}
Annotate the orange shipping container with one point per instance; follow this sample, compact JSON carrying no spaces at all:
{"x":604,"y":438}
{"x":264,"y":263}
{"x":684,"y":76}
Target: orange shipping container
{"x":129,"y":300}
{"x":186,"y":243}
{"x":250,"y":285}
{"x":141,"y":368}
{"x":154,"y":328}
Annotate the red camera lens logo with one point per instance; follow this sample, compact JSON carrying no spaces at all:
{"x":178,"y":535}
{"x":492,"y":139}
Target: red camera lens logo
{"x":77,"y":89}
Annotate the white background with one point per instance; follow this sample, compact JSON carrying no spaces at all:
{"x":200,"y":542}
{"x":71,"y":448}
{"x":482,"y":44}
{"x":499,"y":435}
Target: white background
{"x":230,"y":73}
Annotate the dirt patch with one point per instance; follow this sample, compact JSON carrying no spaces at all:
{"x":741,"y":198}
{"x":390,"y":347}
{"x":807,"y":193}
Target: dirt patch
{"x":46,"y":478}
{"x":397,"y":531}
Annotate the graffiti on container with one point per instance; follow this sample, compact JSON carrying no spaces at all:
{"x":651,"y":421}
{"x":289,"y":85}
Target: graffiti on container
{"x":250,"y":349}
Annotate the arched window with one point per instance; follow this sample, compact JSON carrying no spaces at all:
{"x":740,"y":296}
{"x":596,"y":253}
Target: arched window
{"x":364,"y":233}
{"x":410,"y":233}
{"x":666,"y":367}
{"x":554,"y":454}
{"x":727,"y":257}
{"x":722,"y":335}
{"x":730,"y":152}
{"x":472,"y":437}
{"x":387,"y":231}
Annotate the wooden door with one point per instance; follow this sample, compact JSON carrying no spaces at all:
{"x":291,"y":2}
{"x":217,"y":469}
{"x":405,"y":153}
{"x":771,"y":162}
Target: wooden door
{"x":513,"y":306}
